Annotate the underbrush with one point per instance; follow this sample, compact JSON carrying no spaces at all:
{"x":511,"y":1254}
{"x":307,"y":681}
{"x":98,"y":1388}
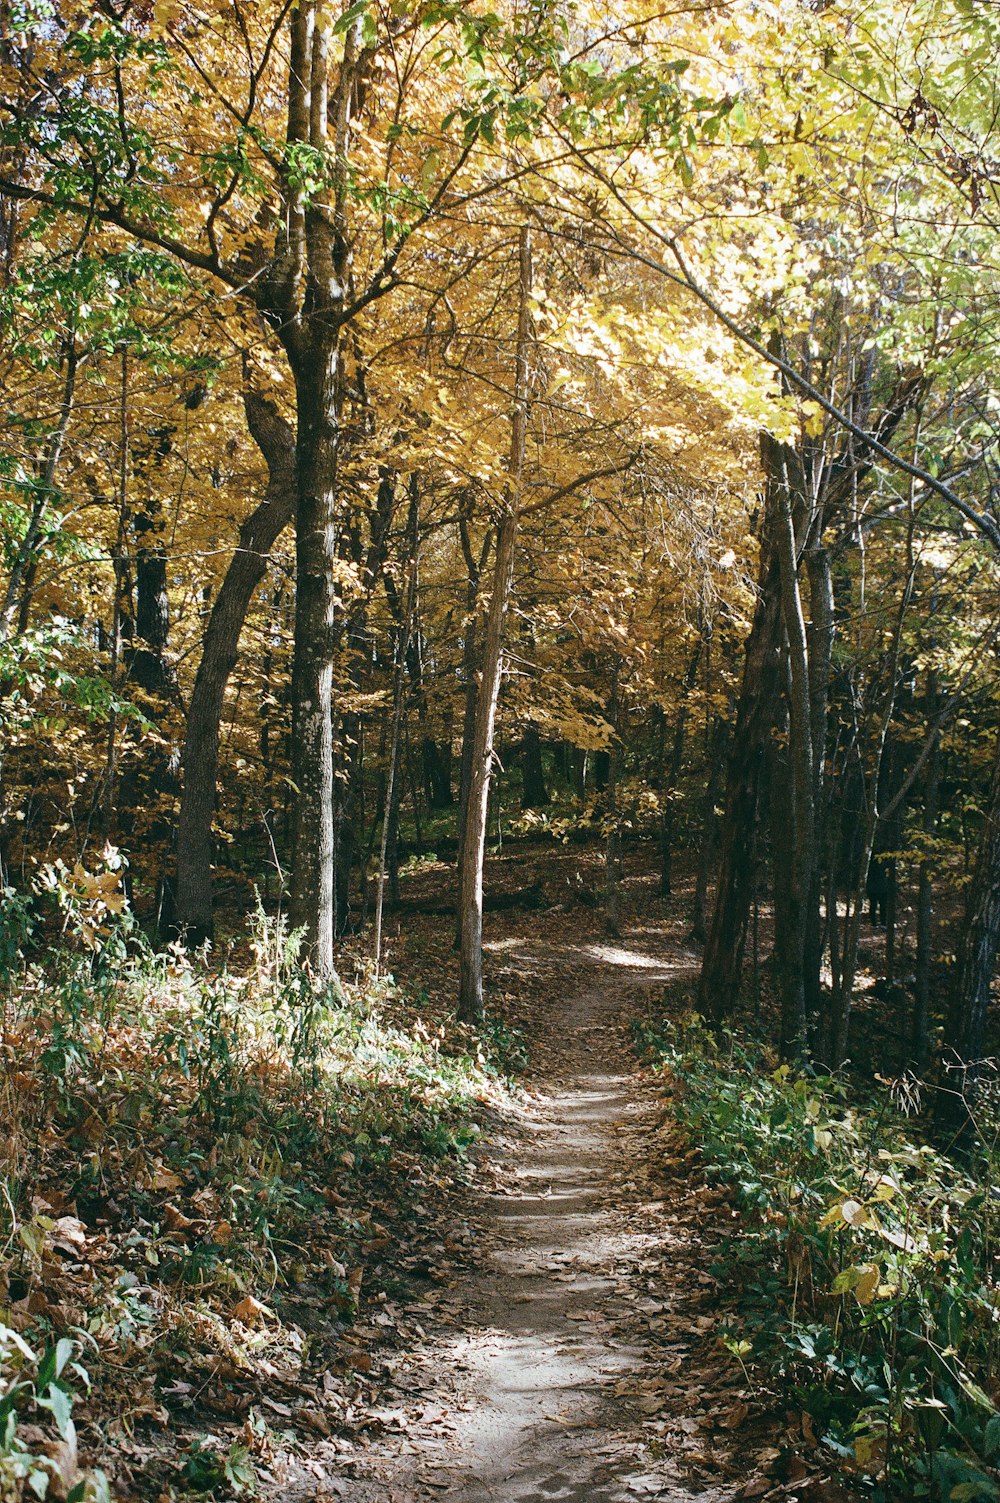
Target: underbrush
{"x":206,"y":1172}
{"x":866,"y":1263}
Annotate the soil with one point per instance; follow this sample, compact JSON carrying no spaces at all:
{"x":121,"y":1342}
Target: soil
{"x":578,"y":1358}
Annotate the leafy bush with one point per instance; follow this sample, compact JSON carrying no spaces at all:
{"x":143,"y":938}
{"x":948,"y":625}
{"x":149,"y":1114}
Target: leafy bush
{"x":42,"y":1457}
{"x":192,"y":1136}
{"x":866,"y":1259}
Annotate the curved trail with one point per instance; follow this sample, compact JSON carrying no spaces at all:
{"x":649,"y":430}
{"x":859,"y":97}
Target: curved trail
{"x":561,"y":1366}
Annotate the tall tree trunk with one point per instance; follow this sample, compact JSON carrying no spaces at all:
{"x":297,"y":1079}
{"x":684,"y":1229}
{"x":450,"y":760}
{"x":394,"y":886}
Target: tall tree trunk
{"x":821,"y":633}
{"x":534,"y":794}
{"x":976,"y":961}
{"x":722,"y":964}
{"x":717,"y":744}
{"x":390,"y":814}
{"x":613,"y":849}
{"x":470,"y":673}
{"x":257,"y":537}
{"x":470,"y":994}
{"x":670,"y":776}
{"x":802,"y":785}
{"x":312,"y":900}
{"x":925,"y":889}
{"x":17,"y":591}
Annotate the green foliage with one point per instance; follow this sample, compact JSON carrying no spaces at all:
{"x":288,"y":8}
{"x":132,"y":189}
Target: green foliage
{"x":866,"y":1259}
{"x":37,"y":1434}
{"x":236,"y":1132}
{"x":208,"y":1471}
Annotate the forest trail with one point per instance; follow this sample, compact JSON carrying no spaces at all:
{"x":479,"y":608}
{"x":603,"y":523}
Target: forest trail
{"x":574,"y":1362}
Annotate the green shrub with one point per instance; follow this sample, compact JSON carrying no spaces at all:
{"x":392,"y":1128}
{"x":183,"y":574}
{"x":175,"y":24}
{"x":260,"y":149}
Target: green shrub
{"x":867,"y":1262}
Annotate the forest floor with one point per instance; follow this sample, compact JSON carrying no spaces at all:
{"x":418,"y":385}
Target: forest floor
{"x":576,"y":1355}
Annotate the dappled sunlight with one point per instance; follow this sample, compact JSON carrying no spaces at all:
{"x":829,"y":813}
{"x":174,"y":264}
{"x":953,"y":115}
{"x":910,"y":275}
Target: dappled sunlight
{"x":544,"y":1343}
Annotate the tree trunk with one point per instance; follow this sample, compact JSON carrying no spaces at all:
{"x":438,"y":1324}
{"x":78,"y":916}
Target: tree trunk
{"x":802,"y":787}
{"x":390,"y":815}
{"x":722,"y":965}
{"x":312,"y":899}
{"x":976,"y":959}
{"x":670,"y":776}
{"x":925,"y":891}
{"x":257,"y":537}
{"x":821,"y":633}
{"x":718,"y":740}
{"x":470,"y":996}
{"x":613,"y":851}
{"x":436,"y":757}
{"x":534,"y":794}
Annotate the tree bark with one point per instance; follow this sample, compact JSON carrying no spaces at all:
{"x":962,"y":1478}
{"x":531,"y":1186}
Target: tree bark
{"x":670,"y":776}
{"x":802,"y":805}
{"x":722,"y":964}
{"x":925,"y":890}
{"x":470,"y":994}
{"x":257,"y":537}
{"x":977,"y":958}
{"x":534,"y":793}
{"x":717,"y":744}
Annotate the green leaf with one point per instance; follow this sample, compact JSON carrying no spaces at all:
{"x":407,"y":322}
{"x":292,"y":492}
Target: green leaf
{"x":349,"y":17}
{"x":60,"y":1405}
{"x":991,"y":1437}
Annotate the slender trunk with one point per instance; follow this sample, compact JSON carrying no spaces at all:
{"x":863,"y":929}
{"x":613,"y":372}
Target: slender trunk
{"x":613,"y":852}
{"x":820,"y":644}
{"x":580,"y":758}
{"x":670,"y":777}
{"x":470,"y":673}
{"x":722,"y":965}
{"x":802,"y":786}
{"x":925,"y":891}
{"x":976,"y":959}
{"x":16,"y":598}
{"x":391,"y":807}
{"x":470,"y":998}
{"x":709,"y":819}
{"x":121,"y":614}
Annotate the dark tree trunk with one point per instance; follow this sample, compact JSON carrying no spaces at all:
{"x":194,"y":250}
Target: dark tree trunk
{"x":613,"y":851}
{"x":976,"y":959}
{"x":436,"y":756}
{"x":709,"y":821}
{"x":722,"y":965}
{"x":257,"y":536}
{"x":821,"y":633}
{"x":670,"y":776}
{"x":147,"y":663}
{"x":925,"y":891}
{"x":580,"y":758}
{"x":534,"y":793}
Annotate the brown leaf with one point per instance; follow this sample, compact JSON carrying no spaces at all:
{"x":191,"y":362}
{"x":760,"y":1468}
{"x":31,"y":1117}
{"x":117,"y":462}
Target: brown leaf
{"x":165,"y":1179}
{"x":250,"y":1311}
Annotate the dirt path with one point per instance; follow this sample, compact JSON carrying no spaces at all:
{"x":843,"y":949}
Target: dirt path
{"x":572,"y":1363}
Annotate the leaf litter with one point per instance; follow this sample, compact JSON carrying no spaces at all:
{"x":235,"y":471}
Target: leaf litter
{"x":360,"y":1341}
